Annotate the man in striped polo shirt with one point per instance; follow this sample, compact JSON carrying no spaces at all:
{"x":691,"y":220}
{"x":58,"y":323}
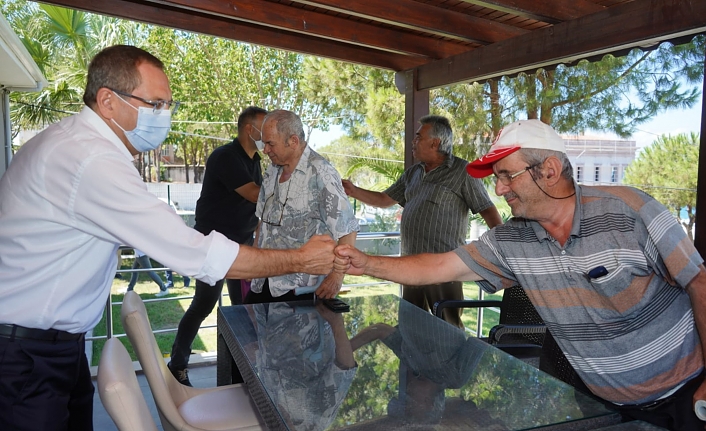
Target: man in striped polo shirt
{"x":436,"y":194}
{"x":609,"y":269}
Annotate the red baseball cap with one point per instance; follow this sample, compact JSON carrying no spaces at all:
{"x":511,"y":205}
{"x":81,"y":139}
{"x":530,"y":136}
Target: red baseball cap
{"x":517,"y":135}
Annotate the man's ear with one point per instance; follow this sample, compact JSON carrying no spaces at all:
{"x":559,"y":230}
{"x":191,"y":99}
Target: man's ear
{"x":105,"y":103}
{"x":552,"y":170}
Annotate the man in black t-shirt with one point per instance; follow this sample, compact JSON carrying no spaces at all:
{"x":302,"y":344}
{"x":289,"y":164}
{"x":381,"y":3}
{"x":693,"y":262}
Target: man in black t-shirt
{"x":231,"y":185}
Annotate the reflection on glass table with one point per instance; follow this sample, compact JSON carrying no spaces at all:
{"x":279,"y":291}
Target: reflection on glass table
{"x":387,"y":365}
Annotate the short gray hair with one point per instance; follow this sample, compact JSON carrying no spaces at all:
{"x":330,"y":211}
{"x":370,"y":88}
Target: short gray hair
{"x":534,"y":156}
{"x":440,"y":128}
{"x":288,"y":123}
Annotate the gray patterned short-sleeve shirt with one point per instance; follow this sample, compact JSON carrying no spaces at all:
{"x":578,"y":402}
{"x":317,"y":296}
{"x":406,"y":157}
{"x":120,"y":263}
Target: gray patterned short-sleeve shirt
{"x":312,"y":202}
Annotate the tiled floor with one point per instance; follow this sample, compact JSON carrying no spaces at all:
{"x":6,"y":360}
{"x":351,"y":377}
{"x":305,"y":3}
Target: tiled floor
{"x":201,"y":376}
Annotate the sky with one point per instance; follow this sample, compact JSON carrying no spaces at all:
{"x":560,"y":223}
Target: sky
{"x":671,"y":122}
{"x":319,"y":138}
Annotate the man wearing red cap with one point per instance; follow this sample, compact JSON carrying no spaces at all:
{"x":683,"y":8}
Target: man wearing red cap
{"x":609,"y":269}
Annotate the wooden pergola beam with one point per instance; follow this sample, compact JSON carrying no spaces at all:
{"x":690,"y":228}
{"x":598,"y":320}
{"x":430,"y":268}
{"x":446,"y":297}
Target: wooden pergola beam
{"x":551,"y":11}
{"x":190,"y":20}
{"x":592,"y":35}
{"x":307,"y":22}
{"x":420,"y":16}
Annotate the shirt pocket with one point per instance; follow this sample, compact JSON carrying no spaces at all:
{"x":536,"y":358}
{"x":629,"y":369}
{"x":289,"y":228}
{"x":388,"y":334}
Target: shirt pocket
{"x":441,"y":195}
{"x":625,"y":284}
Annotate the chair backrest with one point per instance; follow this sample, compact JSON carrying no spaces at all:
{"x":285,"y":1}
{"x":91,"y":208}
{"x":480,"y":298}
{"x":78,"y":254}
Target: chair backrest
{"x":553,"y":362}
{"x":167,"y":392}
{"x":119,"y":390}
{"x":517,"y":309}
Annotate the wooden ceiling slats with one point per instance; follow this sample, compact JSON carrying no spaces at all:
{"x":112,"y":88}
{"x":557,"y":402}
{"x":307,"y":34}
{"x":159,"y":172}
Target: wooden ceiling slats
{"x":190,"y":20}
{"x":420,"y":16}
{"x":550,"y":11}
{"x":450,"y":41}
{"x":282,"y":17}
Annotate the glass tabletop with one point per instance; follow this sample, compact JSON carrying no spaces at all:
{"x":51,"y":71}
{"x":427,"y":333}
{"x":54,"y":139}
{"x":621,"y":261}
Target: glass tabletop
{"x":388,"y":365}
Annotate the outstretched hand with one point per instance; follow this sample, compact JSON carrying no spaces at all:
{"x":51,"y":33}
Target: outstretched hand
{"x":350,"y":259}
{"x":348,"y":187}
{"x":317,"y":255}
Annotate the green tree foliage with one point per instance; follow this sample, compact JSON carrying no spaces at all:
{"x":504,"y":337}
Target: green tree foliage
{"x":344,"y":88}
{"x":467,"y":107}
{"x":667,"y":170}
{"x":366,"y":103}
{"x":62,"y":42}
{"x":213,"y":78}
{"x":592,"y":95}
{"x":216,"y":79}
{"x":572,"y":98}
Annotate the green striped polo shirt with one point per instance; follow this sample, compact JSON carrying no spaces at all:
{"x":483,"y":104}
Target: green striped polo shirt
{"x":436,"y":205}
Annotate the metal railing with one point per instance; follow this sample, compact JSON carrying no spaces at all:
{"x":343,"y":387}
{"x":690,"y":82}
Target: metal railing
{"x":110,"y":332}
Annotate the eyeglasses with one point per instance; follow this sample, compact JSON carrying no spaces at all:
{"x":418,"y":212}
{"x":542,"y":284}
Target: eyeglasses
{"x":157,"y":105}
{"x":506,"y":179}
{"x":277,"y":208}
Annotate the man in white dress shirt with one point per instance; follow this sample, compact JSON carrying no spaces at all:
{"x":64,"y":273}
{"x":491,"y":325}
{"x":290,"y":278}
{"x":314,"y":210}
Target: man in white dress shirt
{"x":70,"y":197}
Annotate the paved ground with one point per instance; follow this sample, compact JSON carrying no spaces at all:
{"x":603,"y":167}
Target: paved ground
{"x":202,"y":375}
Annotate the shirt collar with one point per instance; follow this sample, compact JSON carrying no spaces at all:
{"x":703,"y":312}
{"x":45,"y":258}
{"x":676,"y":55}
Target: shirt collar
{"x":303,"y":163}
{"x":575,"y":223}
{"x":448,"y":162}
{"x":89,"y":116}
{"x":239,"y":148}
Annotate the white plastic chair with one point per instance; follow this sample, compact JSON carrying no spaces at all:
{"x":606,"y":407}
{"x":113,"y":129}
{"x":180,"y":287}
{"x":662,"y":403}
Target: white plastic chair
{"x":183,"y":408}
{"x":119,"y":390}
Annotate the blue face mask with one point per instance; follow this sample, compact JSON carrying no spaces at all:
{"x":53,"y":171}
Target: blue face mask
{"x":258,"y":143}
{"x":151,"y":129}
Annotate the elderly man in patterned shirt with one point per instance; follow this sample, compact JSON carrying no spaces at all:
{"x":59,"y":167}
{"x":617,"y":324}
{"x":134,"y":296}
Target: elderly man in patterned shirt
{"x":436,"y":194}
{"x":610,"y":270}
{"x":301,"y":196}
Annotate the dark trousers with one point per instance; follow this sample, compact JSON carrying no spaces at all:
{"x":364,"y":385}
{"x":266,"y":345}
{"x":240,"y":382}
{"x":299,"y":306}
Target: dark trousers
{"x":675,"y":413}
{"x":45,"y":386}
{"x":205,"y":298}
{"x":426,"y":296}
{"x":266,"y":296}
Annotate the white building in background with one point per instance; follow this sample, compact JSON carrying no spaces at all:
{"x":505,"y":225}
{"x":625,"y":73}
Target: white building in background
{"x":599,"y":161}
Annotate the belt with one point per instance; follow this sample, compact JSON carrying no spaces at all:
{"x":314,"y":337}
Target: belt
{"x":20,"y":332}
{"x":656,"y":404}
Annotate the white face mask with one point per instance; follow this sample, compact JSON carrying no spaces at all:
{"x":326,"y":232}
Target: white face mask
{"x":259,"y":144}
{"x":151,"y":129}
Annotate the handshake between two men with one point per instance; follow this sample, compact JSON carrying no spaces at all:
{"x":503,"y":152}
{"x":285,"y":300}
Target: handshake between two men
{"x":321,"y":255}
{"x":419,"y":269}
